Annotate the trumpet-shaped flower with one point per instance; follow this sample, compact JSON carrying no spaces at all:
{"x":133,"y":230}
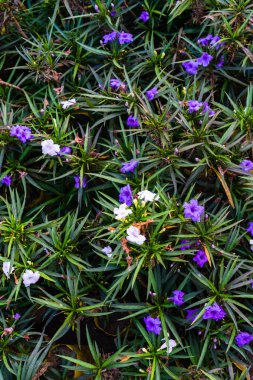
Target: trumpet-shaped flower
{"x":134,"y":236}
{"x":30,"y":277}
{"x":50,"y":148}
{"x":148,"y":196}
{"x":122,"y":212}
{"x":7,"y":268}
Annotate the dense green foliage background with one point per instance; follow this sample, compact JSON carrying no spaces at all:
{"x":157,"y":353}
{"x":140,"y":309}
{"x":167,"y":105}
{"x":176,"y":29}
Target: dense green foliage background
{"x":84,"y":317}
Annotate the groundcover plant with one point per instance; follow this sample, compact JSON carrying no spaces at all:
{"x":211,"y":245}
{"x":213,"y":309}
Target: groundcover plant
{"x":126,"y":189}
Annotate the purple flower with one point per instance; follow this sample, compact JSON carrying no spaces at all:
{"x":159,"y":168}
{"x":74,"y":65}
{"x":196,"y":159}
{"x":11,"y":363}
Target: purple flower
{"x":185,"y":246}
{"x":178,"y":298}
{"x":126,"y":195}
{"x":214,"y":41}
{"x":206,"y":108}
{"x":144,"y":16}
{"x":22,"y":132}
{"x":214,"y":312}
{"x":125,"y":38}
{"x":205,"y":41}
{"x":194,"y":105}
{"x":6,"y":180}
{"x":129,"y":166}
{"x":243,"y":338}
{"x":150,"y":94}
{"x":153,"y":324}
{"x":115,"y":84}
{"x":191,"y":67}
{"x":65,"y":150}
{"x":200,"y":258}
{"x":16,"y":316}
{"x":250,"y":228}
{"x":193,"y":210}
{"x":205,"y":59}
{"x":221,"y":62}
{"x":132,"y":121}
{"x":191,"y":314}
{"x":77,"y":180}
{"x":246,"y":165}
{"x":110,"y":37}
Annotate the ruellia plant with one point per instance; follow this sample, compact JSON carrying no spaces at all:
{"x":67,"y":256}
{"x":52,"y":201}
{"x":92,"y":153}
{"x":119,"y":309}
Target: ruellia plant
{"x":126,"y":179}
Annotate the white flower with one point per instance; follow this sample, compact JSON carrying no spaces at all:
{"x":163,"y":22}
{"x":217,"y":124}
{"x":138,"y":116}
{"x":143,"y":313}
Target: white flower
{"x":148,"y":196}
{"x":7,"y":269}
{"x":133,"y":235}
{"x":122,"y":212}
{"x":172,"y":344}
{"x":50,"y":148}
{"x":107,"y":250}
{"x":30,"y":277}
{"x":68,"y":103}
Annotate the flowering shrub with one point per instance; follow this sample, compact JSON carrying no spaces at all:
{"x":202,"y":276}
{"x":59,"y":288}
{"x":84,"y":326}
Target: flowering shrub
{"x":126,"y":189}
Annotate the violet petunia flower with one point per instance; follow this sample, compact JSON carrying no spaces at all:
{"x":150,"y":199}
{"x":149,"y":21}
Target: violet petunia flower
{"x":205,"y":59}
{"x":214,"y":312}
{"x":77,"y":180}
{"x":110,"y":37}
{"x":191,"y":67}
{"x":65,"y":150}
{"x":178,"y":298}
{"x":194,"y":105}
{"x":144,"y":16}
{"x":126,"y":195}
{"x":115,"y":84}
{"x":150,"y":94}
{"x":22,"y":132}
{"x":125,"y":38}
{"x":200,"y":258}
{"x":6,"y":180}
{"x":246,"y":165}
{"x":153,"y":324}
{"x":129,"y":166}
{"x":243,"y":338}
{"x":132,"y":121}
{"x":191,"y":314}
{"x":193,"y":210}
{"x":250,"y":228}
{"x":185,"y":245}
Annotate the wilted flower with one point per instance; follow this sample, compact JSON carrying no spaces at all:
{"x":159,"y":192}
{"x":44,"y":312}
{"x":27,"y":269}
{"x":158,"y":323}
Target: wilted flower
{"x":193,"y":210}
{"x":122,"y":212}
{"x":6,"y":180}
{"x":191,"y":67}
{"x":214,"y":312}
{"x":68,"y":103}
{"x":153,"y":324}
{"x":134,"y":236}
{"x":172,"y":344}
{"x":30,"y":277}
{"x":150,"y":94}
{"x":126,"y":195}
{"x":107,"y":250}
{"x":144,"y":16}
{"x":200,"y":258}
{"x":50,"y":148}
{"x":205,"y":59}
{"x":246,"y":165}
{"x":243,"y":338}
{"x":206,"y":108}
{"x":132,"y":121}
{"x":178,"y":298}
{"x":129,"y":166}
{"x":148,"y":196}
{"x":22,"y":132}
{"x":221,"y":62}
{"x":7,"y":269}
{"x":77,"y":180}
